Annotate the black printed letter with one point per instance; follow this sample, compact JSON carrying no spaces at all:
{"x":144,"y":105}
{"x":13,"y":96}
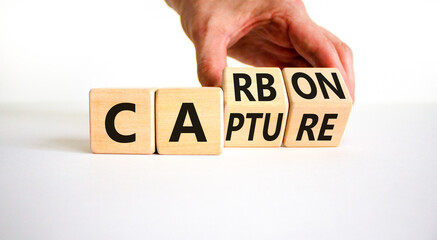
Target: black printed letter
{"x":110,"y":123}
{"x":325,"y":126}
{"x":266,"y":127}
{"x":294,"y":82}
{"x":254,"y":116}
{"x":268,"y":86}
{"x":187,"y":108}
{"x":244,"y":88}
{"x":303,"y":127}
{"x":231,"y":126}
{"x":337,"y":89}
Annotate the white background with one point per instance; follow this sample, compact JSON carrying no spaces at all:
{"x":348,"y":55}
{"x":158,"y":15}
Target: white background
{"x":56,"y":50}
{"x":381,"y":183}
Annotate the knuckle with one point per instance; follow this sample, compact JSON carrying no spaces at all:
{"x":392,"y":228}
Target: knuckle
{"x":202,"y":26}
{"x":198,"y":29}
{"x":206,"y":67}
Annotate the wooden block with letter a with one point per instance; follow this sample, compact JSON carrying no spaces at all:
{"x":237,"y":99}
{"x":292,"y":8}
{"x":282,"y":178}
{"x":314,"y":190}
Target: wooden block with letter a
{"x":122,"y":121}
{"x":189,"y":120}
{"x":256,"y":107}
{"x":320,"y":105}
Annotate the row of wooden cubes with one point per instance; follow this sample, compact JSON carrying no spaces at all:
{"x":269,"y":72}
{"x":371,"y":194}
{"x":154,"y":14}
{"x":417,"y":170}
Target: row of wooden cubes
{"x":263,"y":107}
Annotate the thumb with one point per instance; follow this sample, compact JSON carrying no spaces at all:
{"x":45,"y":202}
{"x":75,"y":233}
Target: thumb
{"x":211,"y":52}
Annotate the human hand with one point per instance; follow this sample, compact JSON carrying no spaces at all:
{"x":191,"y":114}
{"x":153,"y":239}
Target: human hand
{"x":262,"y":33}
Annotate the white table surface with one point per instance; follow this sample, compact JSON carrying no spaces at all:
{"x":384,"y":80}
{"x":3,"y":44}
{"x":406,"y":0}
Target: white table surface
{"x":381,"y":183}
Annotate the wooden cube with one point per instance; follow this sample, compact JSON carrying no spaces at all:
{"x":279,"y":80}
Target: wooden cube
{"x":256,"y":107}
{"x":320,"y":105}
{"x":122,"y":121}
{"x":189,"y":120}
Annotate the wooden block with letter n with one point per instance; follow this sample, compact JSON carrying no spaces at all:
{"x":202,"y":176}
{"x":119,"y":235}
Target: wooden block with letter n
{"x":122,"y":121}
{"x":189,"y":120}
{"x":256,"y":107}
{"x":320,"y":105}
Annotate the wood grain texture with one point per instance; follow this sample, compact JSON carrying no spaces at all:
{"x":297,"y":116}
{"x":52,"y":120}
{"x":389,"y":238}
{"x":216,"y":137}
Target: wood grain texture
{"x":140,"y":122}
{"x":318,"y":102}
{"x":208,"y":105}
{"x":245,"y":106}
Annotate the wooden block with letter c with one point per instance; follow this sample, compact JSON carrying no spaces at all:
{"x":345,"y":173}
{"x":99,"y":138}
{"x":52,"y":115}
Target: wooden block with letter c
{"x":122,"y":121}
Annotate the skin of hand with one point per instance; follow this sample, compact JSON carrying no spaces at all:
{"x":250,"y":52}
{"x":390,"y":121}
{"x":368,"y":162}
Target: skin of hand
{"x":262,"y":33}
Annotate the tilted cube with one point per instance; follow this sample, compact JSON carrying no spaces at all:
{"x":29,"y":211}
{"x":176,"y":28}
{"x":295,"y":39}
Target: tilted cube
{"x":256,"y":107}
{"x":320,"y":105}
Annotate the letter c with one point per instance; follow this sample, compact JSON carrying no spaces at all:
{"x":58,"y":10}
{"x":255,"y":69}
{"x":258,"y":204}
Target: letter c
{"x":110,"y":123}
